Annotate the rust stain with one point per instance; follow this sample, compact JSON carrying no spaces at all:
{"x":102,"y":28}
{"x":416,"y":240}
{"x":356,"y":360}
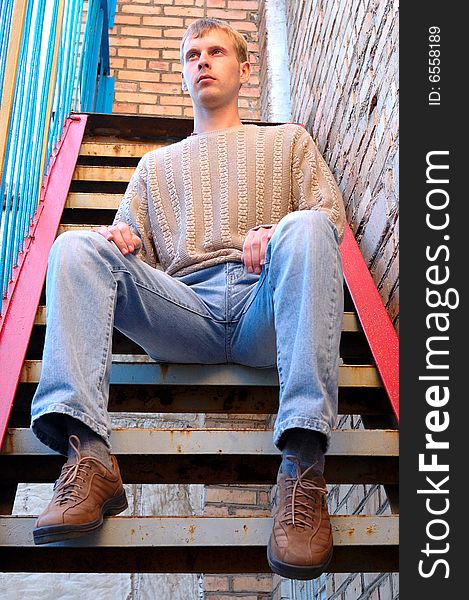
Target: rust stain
{"x":164,"y":368}
{"x":191,"y":530}
{"x":179,"y":449}
{"x":351,"y":531}
{"x":245,"y":529}
{"x":371,"y":529}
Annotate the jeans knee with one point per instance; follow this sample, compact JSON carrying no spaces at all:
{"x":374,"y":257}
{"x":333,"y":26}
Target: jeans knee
{"x":72,"y":245}
{"x":306,"y":225}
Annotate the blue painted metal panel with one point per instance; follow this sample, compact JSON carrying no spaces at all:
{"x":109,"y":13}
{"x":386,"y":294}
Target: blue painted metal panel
{"x":82,"y":83}
{"x":178,"y":374}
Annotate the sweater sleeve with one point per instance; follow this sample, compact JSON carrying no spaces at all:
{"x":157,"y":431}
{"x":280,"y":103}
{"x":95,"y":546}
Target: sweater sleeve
{"x":133,"y":210}
{"x":313,"y":185}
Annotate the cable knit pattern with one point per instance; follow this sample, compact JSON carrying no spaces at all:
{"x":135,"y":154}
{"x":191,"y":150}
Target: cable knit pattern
{"x":193,"y":202}
{"x":160,"y":206}
{"x":223,"y":182}
{"x":260,"y":174}
{"x":279,"y":158}
{"x":242,"y":183}
{"x":187,"y":200}
{"x":169,"y":173}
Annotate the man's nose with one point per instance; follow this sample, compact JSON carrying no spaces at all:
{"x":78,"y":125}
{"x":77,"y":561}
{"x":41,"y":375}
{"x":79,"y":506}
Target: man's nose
{"x":203,"y":60}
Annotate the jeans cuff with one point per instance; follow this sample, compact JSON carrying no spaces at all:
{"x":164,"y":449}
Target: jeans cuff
{"x":55,"y":437}
{"x":303,"y":423}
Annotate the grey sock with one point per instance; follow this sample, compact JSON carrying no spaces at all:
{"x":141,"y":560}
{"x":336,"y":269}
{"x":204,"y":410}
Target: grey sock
{"x":91,"y":444}
{"x":307,"y":445}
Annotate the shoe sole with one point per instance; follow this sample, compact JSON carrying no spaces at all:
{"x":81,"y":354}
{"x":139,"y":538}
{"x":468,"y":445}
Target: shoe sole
{"x":59,"y":533}
{"x":294,"y":571}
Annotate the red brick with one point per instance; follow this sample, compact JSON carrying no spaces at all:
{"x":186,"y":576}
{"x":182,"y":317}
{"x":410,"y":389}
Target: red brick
{"x":160,"y":88}
{"x":244,"y":4}
{"x":190,"y":11}
{"x":231,"y":496}
{"x":138,"y":52}
{"x":170,"y":54}
{"x":214,"y":583}
{"x":125,"y":86}
{"x":171,"y":78}
{"x":227,"y":15}
{"x":132,"y":9}
{"x":127,"y":20}
{"x":135,"y":97}
{"x":139,"y":75}
{"x":252,"y":583}
{"x":136,"y":64}
{"x":127,"y":42}
{"x":158,"y":42}
{"x":158,"y":65}
{"x":163,"y":111}
{"x":141,"y":31}
{"x":125,"y":108}
{"x":175,"y":101}
{"x":174,"y":33}
{"x":163,"y":21}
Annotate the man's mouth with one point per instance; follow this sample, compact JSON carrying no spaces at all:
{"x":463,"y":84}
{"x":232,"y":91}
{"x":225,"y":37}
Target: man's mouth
{"x":203,"y":77}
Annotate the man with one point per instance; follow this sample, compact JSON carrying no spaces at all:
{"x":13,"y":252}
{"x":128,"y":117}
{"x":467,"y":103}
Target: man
{"x":225,"y":248}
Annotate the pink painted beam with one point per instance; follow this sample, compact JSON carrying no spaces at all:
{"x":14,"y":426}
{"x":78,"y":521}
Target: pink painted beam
{"x":377,"y":326}
{"x":19,"y":312}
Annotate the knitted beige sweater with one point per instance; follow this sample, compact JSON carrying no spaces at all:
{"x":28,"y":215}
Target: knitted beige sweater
{"x":192,"y":202}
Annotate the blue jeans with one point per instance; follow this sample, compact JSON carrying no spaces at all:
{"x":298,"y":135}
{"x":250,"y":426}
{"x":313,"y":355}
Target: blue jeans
{"x":289,"y":316}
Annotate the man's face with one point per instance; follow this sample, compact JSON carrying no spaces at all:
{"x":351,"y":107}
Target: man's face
{"x":211,"y":72}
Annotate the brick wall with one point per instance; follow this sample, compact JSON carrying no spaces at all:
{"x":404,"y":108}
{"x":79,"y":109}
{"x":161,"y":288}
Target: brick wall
{"x":238,"y":501}
{"x":144,"y":49}
{"x":344,"y":89}
{"x":343,"y":58}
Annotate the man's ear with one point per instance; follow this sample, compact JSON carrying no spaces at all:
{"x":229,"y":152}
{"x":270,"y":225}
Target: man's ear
{"x":183,"y":83}
{"x":245,"y":72}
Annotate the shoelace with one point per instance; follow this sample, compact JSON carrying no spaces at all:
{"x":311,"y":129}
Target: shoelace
{"x":303,"y":495}
{"x":68,"y":486}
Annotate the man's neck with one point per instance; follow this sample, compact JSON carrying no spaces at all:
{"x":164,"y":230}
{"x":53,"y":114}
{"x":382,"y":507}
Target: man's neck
{"x":205,"y":121}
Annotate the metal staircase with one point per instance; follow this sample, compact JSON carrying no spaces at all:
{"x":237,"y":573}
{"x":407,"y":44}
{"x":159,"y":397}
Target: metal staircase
{"x":110,"y":150}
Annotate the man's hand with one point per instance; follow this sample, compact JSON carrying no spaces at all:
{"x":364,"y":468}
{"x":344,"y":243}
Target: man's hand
{"x":255,"y":246}
{"x":122,"y":236}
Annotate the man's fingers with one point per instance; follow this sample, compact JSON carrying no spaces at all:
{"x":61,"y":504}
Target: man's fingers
{"x":123,"y":237}
{"x":254,"y":249}
{"x":264,"y":241}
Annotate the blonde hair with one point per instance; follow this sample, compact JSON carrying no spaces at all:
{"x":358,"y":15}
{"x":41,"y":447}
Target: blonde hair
{"x":202,"y":26}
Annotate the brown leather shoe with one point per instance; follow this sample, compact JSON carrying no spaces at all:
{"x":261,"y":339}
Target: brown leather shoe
{"x":85,"y":491}
{"x":300,"y":546}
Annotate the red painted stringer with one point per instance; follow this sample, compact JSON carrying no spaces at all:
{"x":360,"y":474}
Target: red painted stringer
{"x":377,"y":326}
{"x":19,"y":312}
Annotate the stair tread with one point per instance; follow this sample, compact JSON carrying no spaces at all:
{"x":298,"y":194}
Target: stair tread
{"x":93,"y":201}
{"x":168,"y":531}
{"x":118,"y":147}
{"x":140,"y":369}
{"x":153,"y":441}
{"x":102,"y":173}
{"x":350,"y":321}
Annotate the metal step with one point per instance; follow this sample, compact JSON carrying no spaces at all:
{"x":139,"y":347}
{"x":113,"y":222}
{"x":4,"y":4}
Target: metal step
{"x":191,"y":545}
{"x":83,"y":200}
{"x":116,"y":147}
{"x":140,"y":369}
{"x":185,"y":441}
{"x":208,"y":456}
{"x":102,"y":173}
{"x":350,"y":323}
{"x":209,"y":399}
